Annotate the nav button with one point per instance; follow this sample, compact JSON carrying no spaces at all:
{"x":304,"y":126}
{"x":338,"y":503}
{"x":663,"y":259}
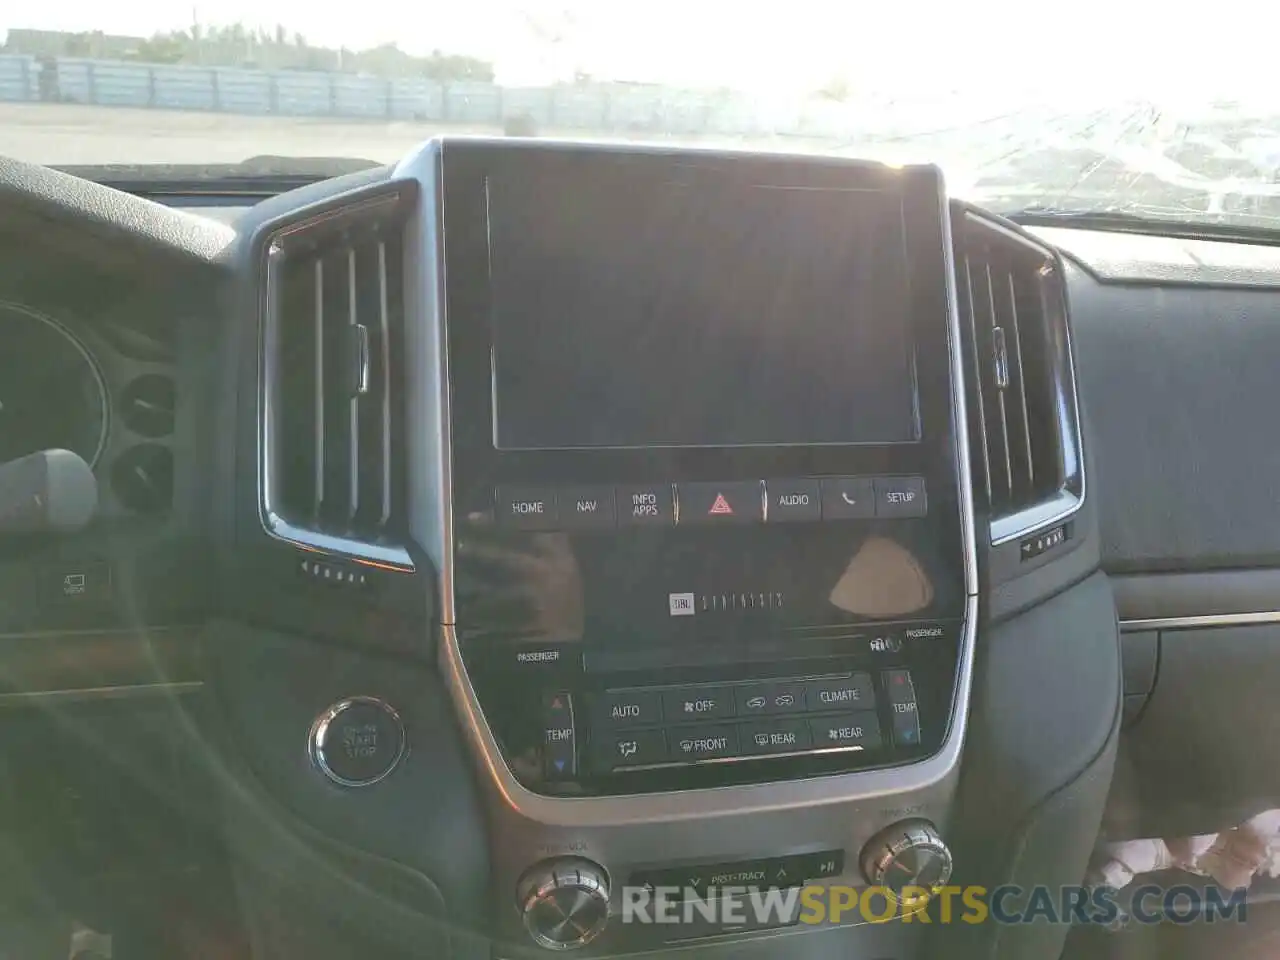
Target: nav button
{"x":587,"y":508}
{"x":794,"y":501}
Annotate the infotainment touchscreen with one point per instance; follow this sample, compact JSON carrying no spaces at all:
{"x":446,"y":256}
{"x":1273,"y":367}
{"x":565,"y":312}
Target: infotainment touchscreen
{"x":669,"y":312}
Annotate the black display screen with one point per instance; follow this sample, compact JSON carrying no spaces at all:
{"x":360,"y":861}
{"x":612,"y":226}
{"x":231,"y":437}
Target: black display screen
{"x":682,"y":313}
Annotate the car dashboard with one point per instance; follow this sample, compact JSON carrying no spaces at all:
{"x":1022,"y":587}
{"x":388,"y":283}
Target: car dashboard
{"x":449,"y":601}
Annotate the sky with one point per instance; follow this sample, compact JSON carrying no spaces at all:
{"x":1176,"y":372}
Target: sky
{"x":916,"y":49}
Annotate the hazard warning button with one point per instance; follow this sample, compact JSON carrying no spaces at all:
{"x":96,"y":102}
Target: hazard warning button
{"x":736,"y":501}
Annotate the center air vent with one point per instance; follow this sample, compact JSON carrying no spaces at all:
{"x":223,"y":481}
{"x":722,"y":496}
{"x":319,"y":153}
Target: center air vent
{"x":333,"y":419}
{"x":1027,"y":434}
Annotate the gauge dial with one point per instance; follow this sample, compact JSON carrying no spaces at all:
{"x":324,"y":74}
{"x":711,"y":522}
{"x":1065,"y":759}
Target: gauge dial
{"x":52,"y":395}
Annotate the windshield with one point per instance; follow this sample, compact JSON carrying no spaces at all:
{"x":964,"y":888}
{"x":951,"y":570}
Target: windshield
{"x":1103,"y":107}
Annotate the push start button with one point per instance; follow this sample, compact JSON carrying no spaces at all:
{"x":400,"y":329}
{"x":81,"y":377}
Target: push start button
{"x":358,"y":741}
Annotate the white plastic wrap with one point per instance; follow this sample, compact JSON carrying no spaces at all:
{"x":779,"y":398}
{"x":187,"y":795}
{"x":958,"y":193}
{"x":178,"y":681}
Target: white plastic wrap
{"x":1231,"y":858}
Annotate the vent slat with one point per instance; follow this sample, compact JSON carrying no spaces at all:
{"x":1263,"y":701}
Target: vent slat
{"x":974,"y":341}
{"x":384,"y":328}
{"x":996,"y":333}
{"x":335,"y":505}
{"x":353,"y":404}
{"x":336,"y":433}
{"x":1021,"y":381}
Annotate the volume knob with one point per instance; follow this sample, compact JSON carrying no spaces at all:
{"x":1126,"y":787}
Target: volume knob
{"x":564,"y":902}
{"x":907,"y":854}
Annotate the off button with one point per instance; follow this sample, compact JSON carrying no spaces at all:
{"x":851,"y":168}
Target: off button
{"x":686,"y":704}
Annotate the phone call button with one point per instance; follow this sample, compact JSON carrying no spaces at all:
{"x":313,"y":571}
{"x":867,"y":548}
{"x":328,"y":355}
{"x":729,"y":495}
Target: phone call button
{"x":848,"y":498}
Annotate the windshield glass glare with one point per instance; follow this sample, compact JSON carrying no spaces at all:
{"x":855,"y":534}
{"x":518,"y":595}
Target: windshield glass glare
{"x":1103,"y":106}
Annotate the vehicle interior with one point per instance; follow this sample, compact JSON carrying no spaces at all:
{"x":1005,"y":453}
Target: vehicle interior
{"x":438,"y":559}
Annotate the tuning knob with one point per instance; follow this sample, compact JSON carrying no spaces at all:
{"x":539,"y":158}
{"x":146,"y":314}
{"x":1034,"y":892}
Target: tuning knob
{"x":907,"y":854}
{"x":564,"y":902}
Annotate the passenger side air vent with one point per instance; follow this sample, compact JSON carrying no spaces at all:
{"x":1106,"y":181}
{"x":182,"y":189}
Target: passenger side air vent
{"x":333,"y":421}
{"x":1025,"y":423}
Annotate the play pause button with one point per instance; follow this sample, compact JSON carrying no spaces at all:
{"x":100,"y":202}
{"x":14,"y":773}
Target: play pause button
{"x":736,"y":501}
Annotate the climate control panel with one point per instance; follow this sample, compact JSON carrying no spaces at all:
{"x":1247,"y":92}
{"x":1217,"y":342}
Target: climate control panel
{"x":568,"y":731}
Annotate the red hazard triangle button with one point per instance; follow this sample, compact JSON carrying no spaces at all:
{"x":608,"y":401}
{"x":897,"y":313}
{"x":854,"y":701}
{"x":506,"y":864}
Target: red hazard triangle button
{"x":720,"y":502}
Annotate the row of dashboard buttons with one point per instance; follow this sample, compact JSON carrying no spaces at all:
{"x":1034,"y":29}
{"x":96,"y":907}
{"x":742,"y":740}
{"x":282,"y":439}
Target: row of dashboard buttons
{"x":642,"y":708}
{"x":760,"y":738}
{"x":704,"y":503}
{"x":625,"y":733}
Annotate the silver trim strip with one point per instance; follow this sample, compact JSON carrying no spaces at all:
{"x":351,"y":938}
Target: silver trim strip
{"x":960,"y":425}
{"x":720,"y":761}
{"x":1202,"y":620}
{"x":170,"y":688}
{"x":430,"y":460}
{"x":318,"y":399}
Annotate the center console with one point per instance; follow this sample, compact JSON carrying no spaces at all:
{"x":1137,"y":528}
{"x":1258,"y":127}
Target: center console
{"x":705,"y":534}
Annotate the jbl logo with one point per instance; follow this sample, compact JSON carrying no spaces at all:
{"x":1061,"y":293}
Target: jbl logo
{"x":681,"y":604}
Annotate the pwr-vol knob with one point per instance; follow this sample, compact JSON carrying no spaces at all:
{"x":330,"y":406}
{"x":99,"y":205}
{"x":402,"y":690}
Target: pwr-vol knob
{"x":564,"y":902}
{"x":909,"y":854}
